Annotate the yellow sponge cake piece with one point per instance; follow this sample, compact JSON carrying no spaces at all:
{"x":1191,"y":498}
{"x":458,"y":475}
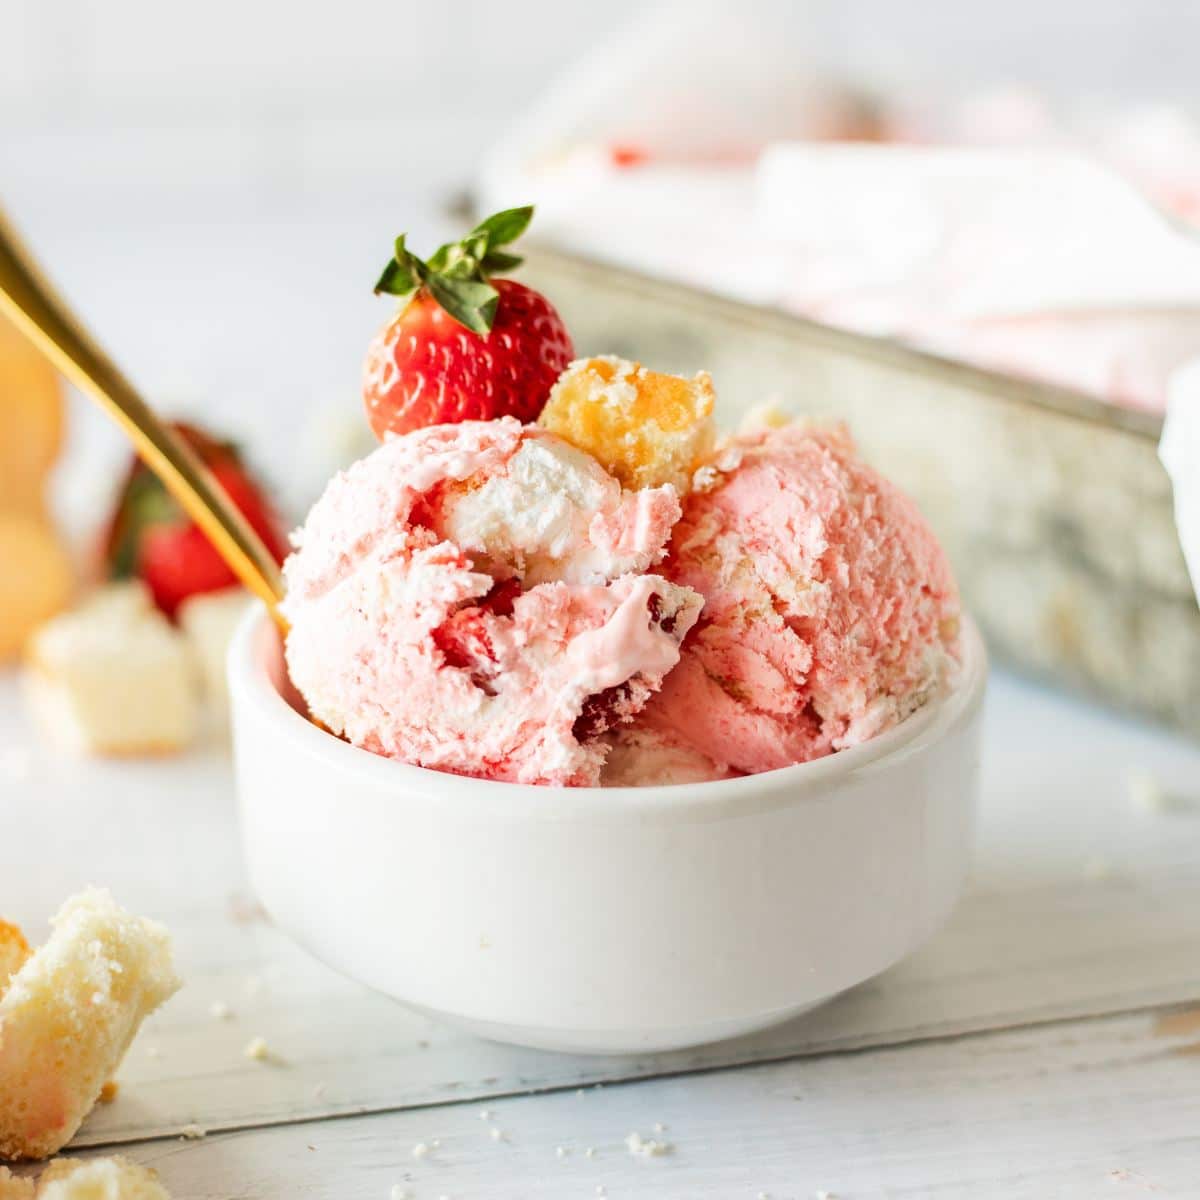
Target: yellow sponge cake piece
{"x":645,"y":427}
{"x":69,"y":1015}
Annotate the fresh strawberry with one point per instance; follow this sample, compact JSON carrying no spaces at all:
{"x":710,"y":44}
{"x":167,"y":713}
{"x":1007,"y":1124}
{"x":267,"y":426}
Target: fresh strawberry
{"x":463,"y":347}
{"x":151,"y":538}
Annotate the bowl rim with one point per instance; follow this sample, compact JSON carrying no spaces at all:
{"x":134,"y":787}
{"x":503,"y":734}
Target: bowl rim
{"x":250,"y":684}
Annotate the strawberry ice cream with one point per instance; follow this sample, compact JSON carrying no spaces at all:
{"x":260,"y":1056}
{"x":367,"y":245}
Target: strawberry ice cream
{"x":830,"y":612}
{"x":475,"y":598}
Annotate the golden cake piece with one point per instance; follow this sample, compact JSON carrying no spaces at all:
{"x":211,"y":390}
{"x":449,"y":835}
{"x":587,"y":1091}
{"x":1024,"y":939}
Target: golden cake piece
{"x":113,"y":1178}
{"x":12,"y":1187}
{"x":645,"y":427}
{"x":32,"y":418}
{"x":36,"y":578}
{"x":14,"y":950}
{"x":69,"y":1015}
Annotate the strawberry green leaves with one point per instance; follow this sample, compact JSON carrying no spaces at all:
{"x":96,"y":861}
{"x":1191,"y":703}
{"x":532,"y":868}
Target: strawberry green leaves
{"x":456,"y":274}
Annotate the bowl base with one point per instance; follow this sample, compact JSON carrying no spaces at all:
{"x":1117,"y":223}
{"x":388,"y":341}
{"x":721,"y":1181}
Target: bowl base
{"x":631,"y":1041}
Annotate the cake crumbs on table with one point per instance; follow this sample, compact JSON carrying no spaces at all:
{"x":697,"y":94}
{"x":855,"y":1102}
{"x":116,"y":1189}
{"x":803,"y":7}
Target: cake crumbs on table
{"x":257,"y":1050}
{"x":398,"y":1192}
{"x":498,"y":1135}
{"x":193,"y":1133}
{"x":220,"y":1011}
{"x":486,"y":1114}
{"x":420,"y":1150}
{"x":108,"y":1093}
{"x":646,"y":1147}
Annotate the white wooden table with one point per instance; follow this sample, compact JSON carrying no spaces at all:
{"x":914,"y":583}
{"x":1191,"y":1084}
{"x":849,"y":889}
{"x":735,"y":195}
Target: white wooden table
{"x":1046,"y":1044}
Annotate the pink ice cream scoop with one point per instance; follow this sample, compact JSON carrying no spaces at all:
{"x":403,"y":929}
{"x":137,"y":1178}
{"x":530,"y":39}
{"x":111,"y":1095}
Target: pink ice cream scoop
{"x":830,"y":612}
{"x":475,"y":598}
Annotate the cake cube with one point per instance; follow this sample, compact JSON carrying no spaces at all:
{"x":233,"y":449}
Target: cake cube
{"x":113,"y":1178}
{"x":208,"y":621}
{"x":69,"y":1015}
{"x":645,"y":427}
{"x":14,"y":950}
{"x":13,"y":1187}
{"x":113,"y":676}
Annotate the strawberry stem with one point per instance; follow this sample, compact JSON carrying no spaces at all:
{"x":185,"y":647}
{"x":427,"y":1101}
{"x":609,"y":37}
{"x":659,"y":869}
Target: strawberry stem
{"x":456,"y":274}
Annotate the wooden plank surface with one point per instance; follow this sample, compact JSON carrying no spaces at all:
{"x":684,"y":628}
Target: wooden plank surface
{"x":1081,"y":904}
{"x":1077,"y":1111}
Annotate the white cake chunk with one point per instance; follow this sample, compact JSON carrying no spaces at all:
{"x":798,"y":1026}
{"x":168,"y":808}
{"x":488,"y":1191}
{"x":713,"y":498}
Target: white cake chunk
{"x":113,"y":676}
{"x":208,"y":622}
{"x":69,"y":1015}
{"x":99,"y":1179}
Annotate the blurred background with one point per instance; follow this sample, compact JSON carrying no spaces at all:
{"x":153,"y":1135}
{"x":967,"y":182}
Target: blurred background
{"x":216,"y":187}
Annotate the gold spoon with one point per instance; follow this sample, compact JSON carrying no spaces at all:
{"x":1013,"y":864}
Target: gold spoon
{"x":41,"y":314}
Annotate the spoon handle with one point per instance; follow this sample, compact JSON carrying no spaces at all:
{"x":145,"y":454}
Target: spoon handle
{"x":28,"y":298}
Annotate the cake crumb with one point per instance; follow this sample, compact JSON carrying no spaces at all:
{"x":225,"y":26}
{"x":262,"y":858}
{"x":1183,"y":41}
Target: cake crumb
{"x":600,"y":1190}
{"x":485,"y":1114}
{"x":193,"y":1133}
{"x":108,"y":1093}
{"x":420,"y":1150}
{"x":561,"y":1151}
{"x":256,"y":1049}
{"x":659,"y":1127}
{"x":497,"y":1134}
{"x":220,"y":1011}
{"x":398,"y":1192}
{"x":646,"y":1147}
{"x":153,"y":1052}
{"x":822,"y":1194}
{"x":590,"y":1152}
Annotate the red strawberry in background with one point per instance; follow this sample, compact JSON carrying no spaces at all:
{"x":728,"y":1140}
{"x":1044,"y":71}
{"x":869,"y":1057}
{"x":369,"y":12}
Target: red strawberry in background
{"x":463,"y":347}
{"x":151,"y":538}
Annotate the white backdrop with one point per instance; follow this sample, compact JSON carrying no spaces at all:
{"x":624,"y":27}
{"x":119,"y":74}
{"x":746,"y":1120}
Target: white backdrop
{"x":214,"y":184}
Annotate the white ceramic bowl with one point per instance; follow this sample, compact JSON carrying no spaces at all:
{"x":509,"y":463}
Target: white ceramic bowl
{"x":608,"y":920}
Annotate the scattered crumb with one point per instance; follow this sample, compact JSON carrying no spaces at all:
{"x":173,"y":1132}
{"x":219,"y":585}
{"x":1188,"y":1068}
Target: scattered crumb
{"x":422,"y":1044}
{"x":1097,"y":868}
{"x":498,"y":1135}
{"x":764,"y":1196}
{"x":600,"y":1190}
{"x":310,"y":1146}
{"x":590,"y":1152}
{"x":659,"y":1127}
{"x":561,"y":1151}
{"x":822,"y":1194}
{"x":220,"y":1011}
{"x":398,"y":1192}
{"x":579,"y":1091}
{"x":193,"y":1133}
{"x":485,"y":1114}
{"x":420,"y":1150}
{"x":436,"y":1144}
{"x":256,"y":1048}
{"x":108,"y":1093}
{"x":646,"y":1147}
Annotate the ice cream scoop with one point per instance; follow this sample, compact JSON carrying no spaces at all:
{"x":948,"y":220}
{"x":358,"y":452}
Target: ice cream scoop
{"x":830,"y":612}
{"x":474,"y":598}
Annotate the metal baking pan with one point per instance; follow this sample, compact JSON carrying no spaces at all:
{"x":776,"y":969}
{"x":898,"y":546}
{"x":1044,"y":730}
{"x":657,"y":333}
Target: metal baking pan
{"x":1052,"y":505}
